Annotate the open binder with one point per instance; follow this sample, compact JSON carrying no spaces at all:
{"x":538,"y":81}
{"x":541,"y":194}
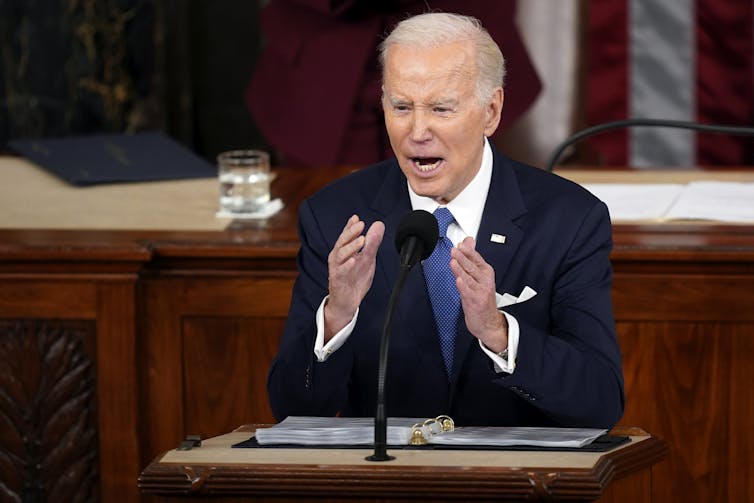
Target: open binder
{"x":435,"y":433}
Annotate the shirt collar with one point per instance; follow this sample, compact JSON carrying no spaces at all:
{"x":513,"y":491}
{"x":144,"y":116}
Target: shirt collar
{"x":468,"y":206}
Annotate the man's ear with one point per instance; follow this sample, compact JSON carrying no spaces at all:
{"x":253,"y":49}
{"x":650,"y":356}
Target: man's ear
{"x":493,"y":111}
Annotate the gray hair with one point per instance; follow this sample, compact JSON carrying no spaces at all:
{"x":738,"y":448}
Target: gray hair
{"x":440,"y":28}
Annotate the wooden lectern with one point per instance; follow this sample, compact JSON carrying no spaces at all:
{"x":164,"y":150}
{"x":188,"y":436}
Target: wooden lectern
{"x":217,"y":470}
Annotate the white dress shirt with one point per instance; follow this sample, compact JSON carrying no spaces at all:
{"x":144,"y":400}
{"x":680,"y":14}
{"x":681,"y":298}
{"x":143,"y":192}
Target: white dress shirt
{"x":467,"y":209}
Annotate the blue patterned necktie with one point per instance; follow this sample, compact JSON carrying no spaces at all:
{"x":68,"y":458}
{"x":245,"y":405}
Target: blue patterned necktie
{"x":441,"y":285}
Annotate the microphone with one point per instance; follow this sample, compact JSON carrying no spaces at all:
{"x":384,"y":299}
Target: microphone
{"x":415,"y":240}
{"x":416,"y":237}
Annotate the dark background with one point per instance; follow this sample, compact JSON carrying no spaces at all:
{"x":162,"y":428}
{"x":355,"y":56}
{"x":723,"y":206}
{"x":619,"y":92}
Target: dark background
{"x":70,"y":67}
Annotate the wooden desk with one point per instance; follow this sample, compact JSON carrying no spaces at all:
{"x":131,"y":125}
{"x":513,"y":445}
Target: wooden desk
{"x":217,"y":470}
{"x":162,"y":327}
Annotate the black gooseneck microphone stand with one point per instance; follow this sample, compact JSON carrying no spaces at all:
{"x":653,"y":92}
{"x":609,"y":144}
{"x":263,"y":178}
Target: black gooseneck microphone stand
{"x":628,"y":123}
{"x":415,"y":239}
{"x":380,"y":420}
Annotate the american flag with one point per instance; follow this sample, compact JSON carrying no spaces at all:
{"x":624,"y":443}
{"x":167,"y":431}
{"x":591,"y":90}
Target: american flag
{"x":687,"y":60}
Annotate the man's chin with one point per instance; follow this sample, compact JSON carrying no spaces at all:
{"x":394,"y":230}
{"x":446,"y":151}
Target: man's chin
{"x":425,"y":188}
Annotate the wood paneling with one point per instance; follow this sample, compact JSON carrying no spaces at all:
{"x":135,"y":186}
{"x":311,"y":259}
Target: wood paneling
{"x":117,"y":387}
{"x":225,"y":364}
{"x":692,"y":383}
{"x":208,"y":339}
{"x":683,"y":297}
{"x":669,"y":296}
{"x":637,"y":487}
{"x":105,"y":435}
{"x":24,"y":298}
{"x":48,"y":411}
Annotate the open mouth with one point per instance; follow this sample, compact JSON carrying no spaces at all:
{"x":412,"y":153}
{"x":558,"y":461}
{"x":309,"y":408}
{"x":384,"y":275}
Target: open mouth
{"x":426,"y":164}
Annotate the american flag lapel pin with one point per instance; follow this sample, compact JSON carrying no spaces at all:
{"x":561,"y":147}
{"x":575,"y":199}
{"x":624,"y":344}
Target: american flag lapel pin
{"x":497,"y":238}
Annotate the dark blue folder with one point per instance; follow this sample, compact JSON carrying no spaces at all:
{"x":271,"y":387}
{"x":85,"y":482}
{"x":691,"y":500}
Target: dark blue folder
{"x":115,"y":158}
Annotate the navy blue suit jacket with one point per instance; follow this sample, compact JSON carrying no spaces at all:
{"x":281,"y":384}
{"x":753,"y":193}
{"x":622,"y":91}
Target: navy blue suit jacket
{"x":557,"y":241}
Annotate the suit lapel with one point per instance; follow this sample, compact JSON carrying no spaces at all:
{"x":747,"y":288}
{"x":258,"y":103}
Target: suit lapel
{"x":503,"y":206}
{"x":390,"y":204}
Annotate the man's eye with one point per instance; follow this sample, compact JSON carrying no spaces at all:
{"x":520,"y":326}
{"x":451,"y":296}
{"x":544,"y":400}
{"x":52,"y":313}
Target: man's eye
{"x":401,"y":108}
{"x":442,"y":110}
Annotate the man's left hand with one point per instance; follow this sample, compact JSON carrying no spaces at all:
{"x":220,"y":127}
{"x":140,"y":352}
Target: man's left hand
{"x":475,"y":280}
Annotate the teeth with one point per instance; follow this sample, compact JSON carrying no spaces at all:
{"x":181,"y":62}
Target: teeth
{"x":424,"y":167}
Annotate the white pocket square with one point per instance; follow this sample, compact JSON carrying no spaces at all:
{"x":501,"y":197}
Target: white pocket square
{"x":507,"y":299}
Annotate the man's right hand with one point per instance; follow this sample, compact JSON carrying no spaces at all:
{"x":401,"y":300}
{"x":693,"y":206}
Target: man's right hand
{"x":351,"y":265}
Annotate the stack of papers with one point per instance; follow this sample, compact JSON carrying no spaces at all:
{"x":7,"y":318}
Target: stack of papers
{"x":308,"y":430}
{"x":322,"y":431}
{"x":510,"y":436}
{"x":723,"y":201}
{"x":716,"y":201}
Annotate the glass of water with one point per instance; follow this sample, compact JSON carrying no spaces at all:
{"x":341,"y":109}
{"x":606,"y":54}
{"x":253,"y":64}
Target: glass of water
{"x":244,"y":181}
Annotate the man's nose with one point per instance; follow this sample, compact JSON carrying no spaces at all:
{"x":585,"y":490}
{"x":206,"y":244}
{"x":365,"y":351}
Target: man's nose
{"x":420,"y":126}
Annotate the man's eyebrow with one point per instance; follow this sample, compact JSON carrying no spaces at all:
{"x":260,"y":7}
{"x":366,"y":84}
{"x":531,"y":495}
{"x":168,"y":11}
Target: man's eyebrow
{"x":439,"y":102}
{"x":398,"y":101}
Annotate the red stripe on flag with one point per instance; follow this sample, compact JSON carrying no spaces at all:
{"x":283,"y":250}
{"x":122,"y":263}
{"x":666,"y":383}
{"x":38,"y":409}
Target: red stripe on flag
{"x":725,"y":79}
{"x":607,"y":84}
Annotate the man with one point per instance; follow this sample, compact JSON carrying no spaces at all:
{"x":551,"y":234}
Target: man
{"x":523,"y":240}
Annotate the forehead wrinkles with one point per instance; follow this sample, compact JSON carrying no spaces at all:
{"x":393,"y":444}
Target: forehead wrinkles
{"x":420,"y":79}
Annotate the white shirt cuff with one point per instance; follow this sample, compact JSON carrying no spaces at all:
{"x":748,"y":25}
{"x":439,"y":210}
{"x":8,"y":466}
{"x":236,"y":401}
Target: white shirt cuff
{"x":507,"y":365}
{"x":321,"y":350}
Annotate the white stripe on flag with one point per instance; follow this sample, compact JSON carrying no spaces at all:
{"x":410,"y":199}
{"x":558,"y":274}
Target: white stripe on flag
{"x":550,"y":30}
{"x":662,"y":80}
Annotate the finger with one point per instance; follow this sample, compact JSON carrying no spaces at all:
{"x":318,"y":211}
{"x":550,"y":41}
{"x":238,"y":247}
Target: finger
{"x":470,"y":260}
{"x":471,"y":299}
{"x":468,"y":248}
{"x":351,"y":249}
{"x":373,"y":239}
{"x":353,"y":228}
{"x":461,"y":258}
{"x":462,"y":284}
{"x":466,"y":284}
{"x":458,"y":270}
{"x":474,"y":297}
{"x":349,"y":242}
{"x":476,"y":278}
{"x":464,"y":263}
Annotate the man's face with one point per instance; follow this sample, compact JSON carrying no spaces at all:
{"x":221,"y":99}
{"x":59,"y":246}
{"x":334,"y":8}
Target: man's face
{"x":434,"y":119}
